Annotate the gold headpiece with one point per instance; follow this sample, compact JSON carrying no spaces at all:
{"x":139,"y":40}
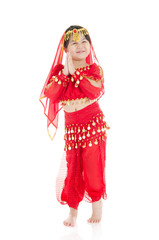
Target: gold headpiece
{"x":75,"y":32}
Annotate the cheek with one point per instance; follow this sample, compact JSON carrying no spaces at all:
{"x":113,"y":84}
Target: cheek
{"x":71,"y":50}
{"x":88,"y":49}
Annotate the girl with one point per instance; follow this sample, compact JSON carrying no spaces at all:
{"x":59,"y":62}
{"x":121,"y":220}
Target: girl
{"x":77,"y":85}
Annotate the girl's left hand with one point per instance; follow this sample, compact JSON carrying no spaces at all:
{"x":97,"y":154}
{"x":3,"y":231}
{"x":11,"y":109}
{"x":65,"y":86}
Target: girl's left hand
{"x":71,"y":67}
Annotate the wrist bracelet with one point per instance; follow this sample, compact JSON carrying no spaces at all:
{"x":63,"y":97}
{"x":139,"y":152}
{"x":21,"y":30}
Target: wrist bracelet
{"x":60,"y":78}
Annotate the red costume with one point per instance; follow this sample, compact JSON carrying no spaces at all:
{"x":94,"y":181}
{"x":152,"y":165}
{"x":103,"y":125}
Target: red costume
{"x":83,"y":172}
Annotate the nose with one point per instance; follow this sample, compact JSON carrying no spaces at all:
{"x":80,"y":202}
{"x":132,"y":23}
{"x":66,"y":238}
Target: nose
{"x":78,"y":45}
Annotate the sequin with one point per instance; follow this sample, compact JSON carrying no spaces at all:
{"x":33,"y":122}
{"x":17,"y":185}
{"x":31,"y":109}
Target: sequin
{"x":90,"y":144}
{"x":83,"y":130}
{"x":93,"y":123}
{"x":98,"y":130}
{"x":88,"y":127}
{"x":64,"y":84}
{"x":93,"y":132}
{"x":56,"y":79}
{"x":84,"y":145}
{"x":88,"y":134}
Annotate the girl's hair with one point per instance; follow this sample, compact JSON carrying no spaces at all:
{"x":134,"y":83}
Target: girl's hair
{"x":66,"y":42}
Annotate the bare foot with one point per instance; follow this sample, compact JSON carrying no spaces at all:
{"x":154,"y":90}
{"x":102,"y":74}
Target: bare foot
{"x":96,"y":212}
{"x":71,"y":220}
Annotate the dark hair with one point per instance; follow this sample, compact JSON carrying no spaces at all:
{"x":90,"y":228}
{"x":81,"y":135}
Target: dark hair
{"x":66,"y":42}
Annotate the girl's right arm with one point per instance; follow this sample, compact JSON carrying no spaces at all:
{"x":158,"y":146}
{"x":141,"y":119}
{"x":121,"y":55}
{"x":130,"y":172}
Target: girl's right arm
{"x":56,"y":86}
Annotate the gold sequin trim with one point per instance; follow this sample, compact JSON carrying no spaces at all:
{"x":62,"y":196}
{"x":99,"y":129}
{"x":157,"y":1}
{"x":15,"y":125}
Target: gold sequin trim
{"x":75,"y":33}
{"x":87,"y":134}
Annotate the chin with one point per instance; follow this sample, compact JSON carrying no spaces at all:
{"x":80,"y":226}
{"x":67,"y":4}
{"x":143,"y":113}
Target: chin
{"x":80,"y":57}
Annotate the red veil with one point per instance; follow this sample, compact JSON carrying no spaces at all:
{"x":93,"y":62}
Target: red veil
{"x":51,"y":109}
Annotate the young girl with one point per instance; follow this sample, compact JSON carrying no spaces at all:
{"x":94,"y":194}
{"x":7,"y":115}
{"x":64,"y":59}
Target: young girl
{"x":77,"y":85}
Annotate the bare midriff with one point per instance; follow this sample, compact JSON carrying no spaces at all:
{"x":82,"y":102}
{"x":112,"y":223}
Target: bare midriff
{"x":75,"y":105}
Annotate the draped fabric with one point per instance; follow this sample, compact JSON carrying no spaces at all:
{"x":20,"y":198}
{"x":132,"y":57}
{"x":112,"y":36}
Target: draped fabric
{"x":62,"y":88}
{"x":82,"y":172}
{"x":51,"y":108}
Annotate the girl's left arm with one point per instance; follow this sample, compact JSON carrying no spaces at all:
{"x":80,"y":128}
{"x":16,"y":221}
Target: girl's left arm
{"x":92,"y":84}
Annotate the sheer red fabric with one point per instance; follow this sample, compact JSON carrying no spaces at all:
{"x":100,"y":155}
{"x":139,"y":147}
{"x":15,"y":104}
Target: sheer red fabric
{"x":70,"y":90}
{"x":82,"y":172}
{"x":51,"y":108}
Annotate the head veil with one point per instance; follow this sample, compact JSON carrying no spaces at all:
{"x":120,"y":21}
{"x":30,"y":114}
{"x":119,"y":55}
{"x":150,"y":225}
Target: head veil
{"x":51,"y":109}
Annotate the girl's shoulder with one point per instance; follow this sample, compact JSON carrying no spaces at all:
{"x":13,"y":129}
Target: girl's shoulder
{"x":96,"y":69}
{"x":57,"y":69}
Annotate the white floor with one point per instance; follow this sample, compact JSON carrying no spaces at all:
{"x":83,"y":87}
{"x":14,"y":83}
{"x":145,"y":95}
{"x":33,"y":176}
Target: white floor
{"x":41,"y":219}
{"x":29,"y":209}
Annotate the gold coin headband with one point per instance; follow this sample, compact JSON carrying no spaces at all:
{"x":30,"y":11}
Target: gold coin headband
{"x":76,"y":34}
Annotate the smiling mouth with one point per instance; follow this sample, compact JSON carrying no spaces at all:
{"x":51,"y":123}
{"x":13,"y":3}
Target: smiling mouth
{"x":80,"y":51}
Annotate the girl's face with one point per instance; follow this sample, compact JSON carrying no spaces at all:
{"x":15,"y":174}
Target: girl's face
{"x":79,"y":50}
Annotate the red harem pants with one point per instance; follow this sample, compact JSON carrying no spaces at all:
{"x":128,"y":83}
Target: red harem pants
{"x":85,"y":148}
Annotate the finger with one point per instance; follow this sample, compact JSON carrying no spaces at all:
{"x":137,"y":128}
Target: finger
{"x":69,"y":57}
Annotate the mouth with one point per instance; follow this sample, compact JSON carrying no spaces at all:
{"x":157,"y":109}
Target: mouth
{"x":81,"y":51}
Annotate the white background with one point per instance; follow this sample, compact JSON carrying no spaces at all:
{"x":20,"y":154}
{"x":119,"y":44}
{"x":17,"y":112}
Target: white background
{"x":125,"y":39}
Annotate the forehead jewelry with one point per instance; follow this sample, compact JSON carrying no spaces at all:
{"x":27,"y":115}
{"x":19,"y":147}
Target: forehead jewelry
{"x":76,"y":33}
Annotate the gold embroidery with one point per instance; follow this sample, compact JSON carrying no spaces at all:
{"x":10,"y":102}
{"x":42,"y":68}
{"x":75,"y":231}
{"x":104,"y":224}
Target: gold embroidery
{"x":92,"y":78}
{"x":81,"y":136}
{"x":64,"y":84}
{"x":74,"y":102}
{"x":77,"y":81}
{"x":49,"y":85}
{"x":101,"y":70}
{"x":75,"y":33}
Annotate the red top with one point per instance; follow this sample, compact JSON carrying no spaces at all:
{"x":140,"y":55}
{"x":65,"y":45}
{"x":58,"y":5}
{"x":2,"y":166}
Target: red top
{"x":77,"y":86}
